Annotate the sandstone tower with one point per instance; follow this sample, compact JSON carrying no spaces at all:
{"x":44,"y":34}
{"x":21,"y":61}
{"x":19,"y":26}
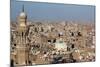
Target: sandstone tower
{"x":22,"y":45}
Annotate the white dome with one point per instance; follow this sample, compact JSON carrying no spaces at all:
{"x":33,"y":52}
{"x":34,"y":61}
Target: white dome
{"x":22,"y":14}
{"x":60,"y":44}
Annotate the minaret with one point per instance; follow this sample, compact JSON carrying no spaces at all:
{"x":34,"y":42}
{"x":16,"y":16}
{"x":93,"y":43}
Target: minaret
{"x":22,"y":46}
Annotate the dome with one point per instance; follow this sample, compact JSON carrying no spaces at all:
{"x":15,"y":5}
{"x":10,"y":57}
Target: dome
{"x":60,"y":45}
{"x":23,"y":14}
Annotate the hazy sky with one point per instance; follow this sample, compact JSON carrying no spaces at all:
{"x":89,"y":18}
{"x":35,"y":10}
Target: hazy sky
{"x":55,"y":12}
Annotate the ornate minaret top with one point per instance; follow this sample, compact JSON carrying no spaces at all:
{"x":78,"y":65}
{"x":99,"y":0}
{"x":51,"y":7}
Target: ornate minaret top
{"x":22,"y":20}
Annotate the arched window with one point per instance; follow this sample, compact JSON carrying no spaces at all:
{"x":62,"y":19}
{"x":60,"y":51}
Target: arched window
{"x":72,"y":34}
{"x":72,"y":46}
{"x":22,"y":33}
{"x":79,"y":34}
{"x":30,"y":63}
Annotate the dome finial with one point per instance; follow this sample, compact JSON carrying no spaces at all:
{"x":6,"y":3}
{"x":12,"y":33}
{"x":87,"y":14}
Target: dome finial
{"x":23,"y":8}
{"x":23,"y":14}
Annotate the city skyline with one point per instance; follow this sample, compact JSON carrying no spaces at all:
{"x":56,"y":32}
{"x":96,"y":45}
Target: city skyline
{"x":51,"y":43}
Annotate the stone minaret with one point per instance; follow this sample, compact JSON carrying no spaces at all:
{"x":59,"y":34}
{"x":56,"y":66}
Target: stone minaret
{"x":22,"y":46}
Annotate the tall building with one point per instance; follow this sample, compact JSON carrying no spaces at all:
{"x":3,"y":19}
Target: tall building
{"x":22,"y":45}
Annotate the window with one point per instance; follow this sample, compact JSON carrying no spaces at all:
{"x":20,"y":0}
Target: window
{"x":54,"y":40}
{"x":72,"y":34}
{"x":79,"y":34}
{"x":36,"y":30}
{"x":49,"y":40}
{"x":72,"y":46}
{"x":14,"y":44}
{"x":22,"y":33}
{"x":68,"y":49}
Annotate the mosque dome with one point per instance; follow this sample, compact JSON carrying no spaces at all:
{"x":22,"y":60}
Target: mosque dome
{"x":60,"y":44}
